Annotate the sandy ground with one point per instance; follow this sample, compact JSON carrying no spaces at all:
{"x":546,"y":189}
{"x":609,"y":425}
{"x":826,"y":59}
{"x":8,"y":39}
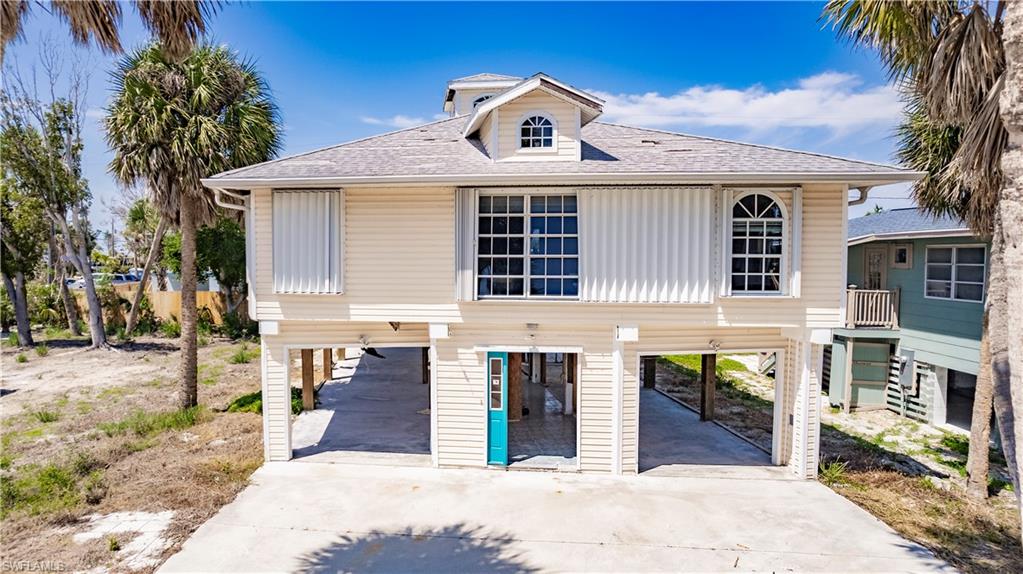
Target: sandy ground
{"x":144,"y":494}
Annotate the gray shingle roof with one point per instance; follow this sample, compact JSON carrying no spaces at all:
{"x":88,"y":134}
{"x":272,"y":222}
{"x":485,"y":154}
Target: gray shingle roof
{"x":438,"y":149}
{"x":905,"y":220}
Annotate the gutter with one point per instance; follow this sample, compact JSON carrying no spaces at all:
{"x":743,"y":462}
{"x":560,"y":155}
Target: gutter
{"x":638,"y":178}
{"x":925,"y":234}
{"x":864,"y":191}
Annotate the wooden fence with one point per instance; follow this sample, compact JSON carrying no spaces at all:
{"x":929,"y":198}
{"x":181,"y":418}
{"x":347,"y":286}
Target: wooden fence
{"x":166,"y":305}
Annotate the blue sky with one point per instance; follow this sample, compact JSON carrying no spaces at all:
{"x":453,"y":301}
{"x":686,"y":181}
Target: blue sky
{"x":760,"y":72}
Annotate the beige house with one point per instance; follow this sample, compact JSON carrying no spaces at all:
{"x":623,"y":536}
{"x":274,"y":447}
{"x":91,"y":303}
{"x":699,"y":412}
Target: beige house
{"x":522,"y":230}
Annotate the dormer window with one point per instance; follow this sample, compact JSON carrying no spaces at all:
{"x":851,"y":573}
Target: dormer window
{"x":537,"y":132}
{"x":476,"y":103}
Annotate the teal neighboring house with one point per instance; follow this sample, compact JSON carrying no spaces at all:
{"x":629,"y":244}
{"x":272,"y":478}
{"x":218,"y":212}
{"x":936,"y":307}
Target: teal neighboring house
{"x":915,"y":300}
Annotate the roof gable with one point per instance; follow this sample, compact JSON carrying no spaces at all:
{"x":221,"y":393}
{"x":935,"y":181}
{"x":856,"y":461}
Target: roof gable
{"x":589,"y":106}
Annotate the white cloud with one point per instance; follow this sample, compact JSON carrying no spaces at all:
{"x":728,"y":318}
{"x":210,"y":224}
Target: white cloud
{"x":831,"y":100}
{"x":399,"y":121}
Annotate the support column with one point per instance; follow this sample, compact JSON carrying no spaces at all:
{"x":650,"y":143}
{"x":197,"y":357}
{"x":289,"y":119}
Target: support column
{"x":340,"y":353}
{"x":708,"y":380}
{"x":804,"y":397}
{"x":543,"y":368}
{"x":514,"y":386}
{"x":328,"y":364}
{"x":426,"y":365}
{"x":308,"y":400}
{"x":649,"y":372}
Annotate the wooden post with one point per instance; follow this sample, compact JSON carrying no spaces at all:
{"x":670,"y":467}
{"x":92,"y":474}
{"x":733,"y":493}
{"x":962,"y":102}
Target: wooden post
{"x":340,"y":354}
{"x":426,"y":365}
{"x":514,"y":386}
{"x":328,"y":365}
{"x":571,"y":384}
{"x":649,"y":372}
{"x":708,"y":378}
{"x":308,"y":402}
{"x":543,"y":368}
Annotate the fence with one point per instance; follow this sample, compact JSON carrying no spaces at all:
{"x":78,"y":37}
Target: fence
{"x":166,"y":305}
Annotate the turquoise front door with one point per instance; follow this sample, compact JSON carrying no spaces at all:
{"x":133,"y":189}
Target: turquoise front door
{"x":497,"y":410}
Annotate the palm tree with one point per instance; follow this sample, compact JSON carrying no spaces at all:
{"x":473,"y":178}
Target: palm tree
{"x":963,"y":103}
{"x":177,"y":24}
{"x":173,"y":122}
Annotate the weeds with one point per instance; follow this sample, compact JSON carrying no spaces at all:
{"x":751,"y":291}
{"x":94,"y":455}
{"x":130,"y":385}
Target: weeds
{"x":21,"y":358}
{"x":112,"y":544}
{"x":42,"y":350}
{"x":170,"y":329}
{"x":12,"y":340}
{"x":210,"y":374}
{"x":832,"y":473}
{"x":145,"y":424}
{"x":45,"y":416}
{"x":243,"y":355}
{"x":40,"y":489}
{"x":253,"y":403}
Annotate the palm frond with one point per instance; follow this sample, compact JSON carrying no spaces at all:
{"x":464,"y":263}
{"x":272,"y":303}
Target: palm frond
{"x":178,"y":25}
{"x":12,"y":15}
{"x":91,"y":20}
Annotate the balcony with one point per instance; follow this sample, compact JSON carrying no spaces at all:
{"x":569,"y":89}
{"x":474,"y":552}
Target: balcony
{"x":872,"y":309}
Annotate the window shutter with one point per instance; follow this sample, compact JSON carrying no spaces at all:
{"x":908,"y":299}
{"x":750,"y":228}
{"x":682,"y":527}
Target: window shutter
{"x":465,"y":244}
{"x":308,"y":241}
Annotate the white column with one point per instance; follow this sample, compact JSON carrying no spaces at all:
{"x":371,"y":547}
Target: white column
{"x":806,"y":408}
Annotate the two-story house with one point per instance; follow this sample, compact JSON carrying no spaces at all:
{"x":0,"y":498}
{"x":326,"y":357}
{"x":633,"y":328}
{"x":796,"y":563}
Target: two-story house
{"x":522,"y":225}
{"x":911,"y":342}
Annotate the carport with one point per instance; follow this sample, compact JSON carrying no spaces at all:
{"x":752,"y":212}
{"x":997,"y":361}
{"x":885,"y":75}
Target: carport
{"x":370,"y":409}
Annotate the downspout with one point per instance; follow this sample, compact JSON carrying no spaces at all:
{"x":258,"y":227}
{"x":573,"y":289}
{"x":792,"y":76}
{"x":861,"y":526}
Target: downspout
{"x":864,"y":191}
{"x":244,"y":207}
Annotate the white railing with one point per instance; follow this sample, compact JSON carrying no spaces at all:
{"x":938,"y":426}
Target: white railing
{"x":872,"y":308}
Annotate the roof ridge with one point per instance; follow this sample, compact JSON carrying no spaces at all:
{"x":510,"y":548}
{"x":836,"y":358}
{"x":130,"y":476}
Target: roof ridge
{"x":337,"y":145}
{"x":762,"y":146}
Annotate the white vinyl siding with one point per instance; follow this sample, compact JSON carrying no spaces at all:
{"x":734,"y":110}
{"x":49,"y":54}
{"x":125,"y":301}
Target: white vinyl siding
{"x":566,"y":133}
{"x":307,"y":241}
{"x":652,"y":245}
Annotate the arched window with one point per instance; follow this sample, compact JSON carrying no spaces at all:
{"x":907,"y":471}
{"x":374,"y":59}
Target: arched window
{"x":537,"y":132}
{"x":758,"y":228}
{"x":476,"y":103}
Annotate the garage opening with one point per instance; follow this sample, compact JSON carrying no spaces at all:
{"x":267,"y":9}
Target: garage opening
{"x":371,"y":403}
{"x":542,"y":394}
{"x":706,"y":410}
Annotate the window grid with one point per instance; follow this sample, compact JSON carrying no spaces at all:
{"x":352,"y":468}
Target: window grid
{"x":527,"y":247}
{"x":536,"y":132}
{"x":757,"y":245}
{"x":956,"y":273}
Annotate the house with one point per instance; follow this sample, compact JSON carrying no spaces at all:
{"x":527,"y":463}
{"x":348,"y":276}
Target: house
{"x":521,"y":230}
{"x":911,"y":339}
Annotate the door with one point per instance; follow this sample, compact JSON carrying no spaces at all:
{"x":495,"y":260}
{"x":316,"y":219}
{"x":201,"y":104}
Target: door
{"x":876,"y":272}
{"x":497,"y":409}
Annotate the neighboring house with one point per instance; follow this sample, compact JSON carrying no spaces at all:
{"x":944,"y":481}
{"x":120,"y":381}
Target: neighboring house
{"x":520,"y":225}
{"x":911,"y":342}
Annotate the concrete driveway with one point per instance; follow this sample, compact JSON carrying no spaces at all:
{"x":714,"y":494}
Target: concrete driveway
{"x":366,"y":518}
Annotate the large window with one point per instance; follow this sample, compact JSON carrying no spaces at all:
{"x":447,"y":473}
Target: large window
{"x":537,"y":132}
{"x":758,"y":227}
{"x":955,"y":272}
{"x":527,"y":246}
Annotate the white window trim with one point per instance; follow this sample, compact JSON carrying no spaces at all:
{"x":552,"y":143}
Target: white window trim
{"x":525,"y":297}
{"x":952,"y":290}
{"x":909,"y":256}
{"x":553,"y":150}
{"x":734,"y":196}
{"x":477,"y":101}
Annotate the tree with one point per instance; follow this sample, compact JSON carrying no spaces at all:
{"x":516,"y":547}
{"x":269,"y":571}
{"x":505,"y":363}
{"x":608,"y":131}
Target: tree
{"x":220,"y":253}
{"x":144,"y":229}
{"x":23,"y":232}
{"x":173,"y":122}
{"x":178,"y":24}
{"x":949,"y":59}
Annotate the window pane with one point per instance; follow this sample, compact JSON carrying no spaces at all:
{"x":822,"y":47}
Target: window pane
{"x":756,"y":228}
{"x":500,"y":204}
{"x":970,"y":255}
{"x":756,"y":265}
{"x":536,"y":287}
{"x":772,"y":265}
{"x":500,"y":266}
{"x":485,"y":225}
{"x":537,"y":225}
{"x":774,"y":246}
{"x":485,"y":204}
{"x":739,"y":246}
{"x":536,"y":204}
{"x":571,"y":246}
{"x":484,"y":287}
{"x":738,"y":265}
{"x":484,"y":245}
{"x":515,"y":225}
{"x":500,"y":287}
{"x":516,"y":204}
{"x":939,"y":289}
{"x":554,"y":287}
{"x":554,"y":266}
{"x":969,"y":292}
{"x":516,"y":266}
{"x":537,"y":266}
{"x":939,"y":272}
{"x":772,"y":283}
{"x":571,"y":266}
{"x":500,"y":225}
{"x":536,"y":246}
{"x":554,"y":204}
{"x":746,"y":207}
{"x":484,"y":266}
{"x":740,"y":228}
{"x":571,"y":225}
{"x":570,"y":287}
{"x":738,"y":282}
{"x":516,"y":246}
{"x":548,"y":132}
{"x":772,"y":212}
{"x":569,"y":204}
{"x":500,"y":245}
{"x":525,"y":134}
{"x":553,"y":246}
{"x":757,"y":245}
{"x":516,"y":287}
{"x":553,"y":225}
{"x":754,"y":283}
{"x":972,"y":273}
{"x":942,"y":255}
{"x":774,"y":229}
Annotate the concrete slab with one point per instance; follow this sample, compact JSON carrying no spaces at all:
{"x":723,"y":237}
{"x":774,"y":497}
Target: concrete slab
{"x":371,"y":406}
{"x":672,"y":440}
{"x":359,"y":518}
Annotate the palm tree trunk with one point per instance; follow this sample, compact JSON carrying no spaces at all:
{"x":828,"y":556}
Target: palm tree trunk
{"x":189,"y":315}
{"x":154,"y":249}
{"x":16,"y":293}
{"x":977,"y":463}
{"x":70,"y":307}
{"x":1008,"y":360}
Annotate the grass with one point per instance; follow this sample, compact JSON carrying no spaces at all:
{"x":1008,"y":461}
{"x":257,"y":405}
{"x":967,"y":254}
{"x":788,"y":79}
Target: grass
{"x":210,"y":374}
{"x":48,"y":488}
{"x":45,"y":416}
{"x":692,"y":363}
{"x":243,"y":355}
{"x":145,"y":424}
{"x":832,"y":473}
{"x":12,"y":340}
{"x":253,"y":403}
{"x":21,"y":358}
{"x":42,"y":350}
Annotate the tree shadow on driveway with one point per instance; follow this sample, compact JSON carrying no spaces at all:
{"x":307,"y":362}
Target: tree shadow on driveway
{"x":456,"y":548}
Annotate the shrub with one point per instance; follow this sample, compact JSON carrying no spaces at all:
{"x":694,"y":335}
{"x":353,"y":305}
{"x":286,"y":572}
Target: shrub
{"x":12,"y":339}
{"x":202,"y":340}
{"x":42,"y":350}
{"x":114,"y":307}
{"x":147,"y":321}
{"x":243,"y":355}
{"x":44,"y":304}
{"x":237,"y":327}
{"x":205,"y":324}
{"x":170,"y":329}
{"x":123,"y":336}
{"x":21,"y":358}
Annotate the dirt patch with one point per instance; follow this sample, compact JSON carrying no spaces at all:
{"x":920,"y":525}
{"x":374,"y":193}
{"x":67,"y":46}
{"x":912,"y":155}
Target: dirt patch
{"x":104,"y":473}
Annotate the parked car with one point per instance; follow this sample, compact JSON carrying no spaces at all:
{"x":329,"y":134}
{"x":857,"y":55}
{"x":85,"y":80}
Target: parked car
{"x":100,"y":278}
